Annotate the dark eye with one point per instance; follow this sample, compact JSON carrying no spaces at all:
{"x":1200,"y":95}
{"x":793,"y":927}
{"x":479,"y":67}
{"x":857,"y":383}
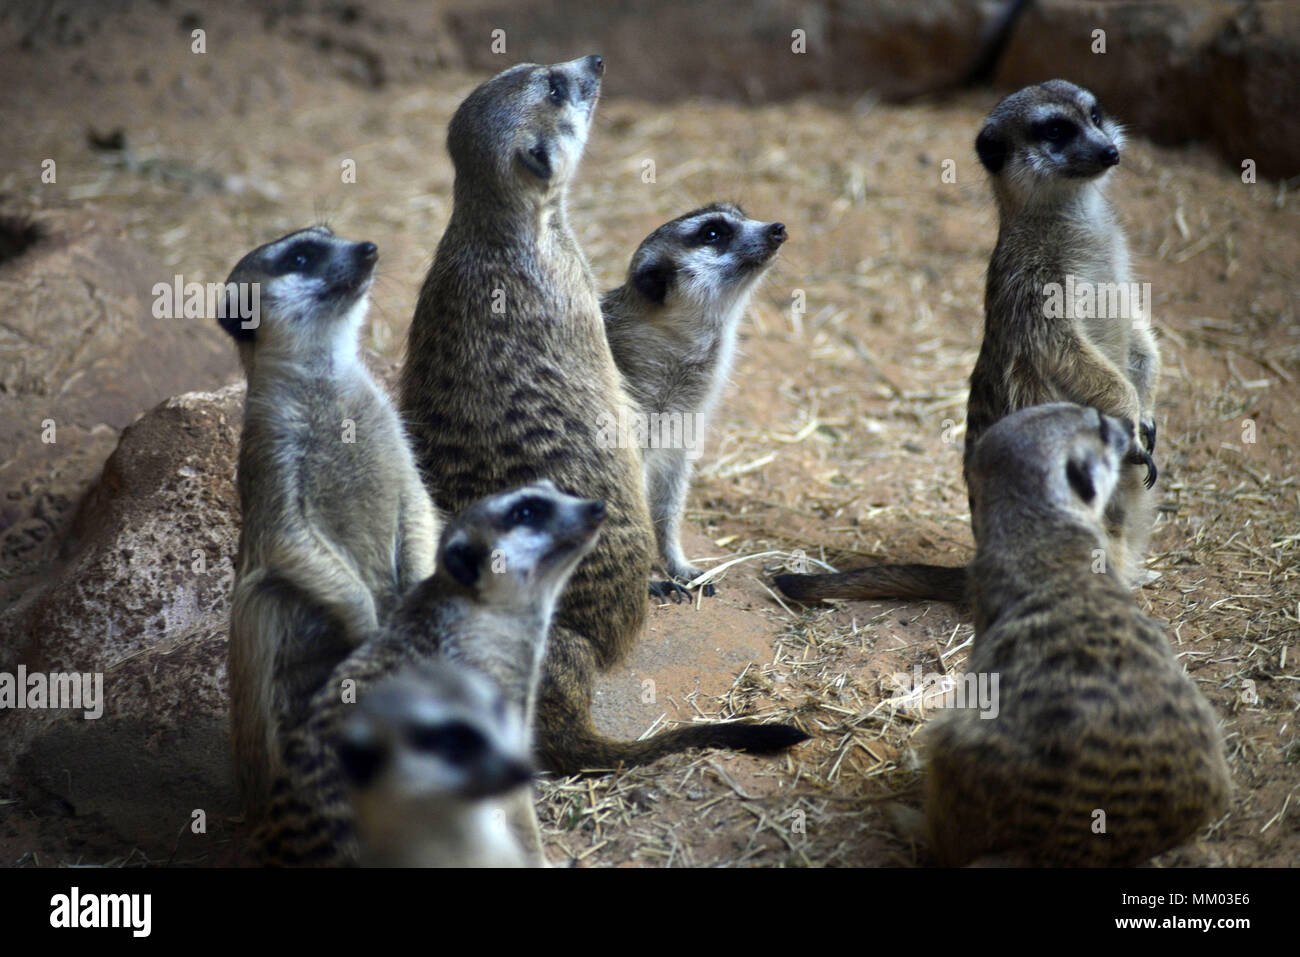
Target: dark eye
{"x":713,"y":233}
{"x":454,"y":743}
{"x":559,"y":89}
{"x":301,"y":257}
{"x":1095,"y":116}
{"x":531,"y":512}
{"x":1056,"y":132}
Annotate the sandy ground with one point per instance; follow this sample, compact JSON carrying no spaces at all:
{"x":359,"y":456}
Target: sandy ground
{"x":837,"y":438}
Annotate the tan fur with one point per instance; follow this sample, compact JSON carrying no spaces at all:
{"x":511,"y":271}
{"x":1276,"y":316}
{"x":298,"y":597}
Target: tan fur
{"x":1094,"y":714}
{"x":1055,"y":221}
{"x":333,"y":532}
{"x":509,"y":378}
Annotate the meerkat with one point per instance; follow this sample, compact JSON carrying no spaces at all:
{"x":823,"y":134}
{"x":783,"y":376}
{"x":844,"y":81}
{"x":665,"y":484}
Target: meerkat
{"x":672,"y":329}
{"x":431,"y":763}
{"x":1101,"y":750}
{"x":336,"y":524}
{"x":501,"y":566}
{"x":1049,"y":150}
{"x":509,"y":378}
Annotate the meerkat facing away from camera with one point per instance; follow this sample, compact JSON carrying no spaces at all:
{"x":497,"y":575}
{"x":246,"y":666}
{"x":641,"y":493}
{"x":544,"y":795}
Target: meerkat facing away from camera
{"x":1048,"y":150}
{"x":1101,"y":751}
{"x":336,"y":525}
{"x":509,"y":378}
{"x":502,"y":564}
{"x":672,"y":328}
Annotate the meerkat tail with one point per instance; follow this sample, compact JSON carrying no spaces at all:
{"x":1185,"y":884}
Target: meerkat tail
{"x":935,"y":582}
{"x":568,"y":743}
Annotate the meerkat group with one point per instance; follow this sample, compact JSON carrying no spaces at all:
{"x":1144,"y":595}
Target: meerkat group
{"x":390,"y":700}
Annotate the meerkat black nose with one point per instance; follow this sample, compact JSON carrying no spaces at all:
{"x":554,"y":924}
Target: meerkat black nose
{"x":1110,"y":156}
{"x":367,"y":252}
{"x":776,"y":233}
{"x":596,"y":64}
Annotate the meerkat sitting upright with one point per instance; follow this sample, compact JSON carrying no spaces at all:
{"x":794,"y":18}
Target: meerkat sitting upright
{"x":1048,"y":150}
{"x":672,"y":328}
{"x":509,"y":378}
{"x":1101,"y":750}
{"x":336,"y":525}
{"x":502,"y":564}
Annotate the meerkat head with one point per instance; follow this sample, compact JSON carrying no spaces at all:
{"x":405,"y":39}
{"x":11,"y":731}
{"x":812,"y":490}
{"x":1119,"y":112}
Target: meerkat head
{"x":524,"y":130}
{"x":517,"y":549}
{"x":1059,"y":456}
{"x":312,"y":292}
{"x":1047,"y":137}
{"x":430,"y":737}
{"x":709,"y":259}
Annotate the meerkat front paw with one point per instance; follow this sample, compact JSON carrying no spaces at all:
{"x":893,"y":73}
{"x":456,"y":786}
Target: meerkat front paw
{"x":1147,"y":429}
{"x":1137,"y":455}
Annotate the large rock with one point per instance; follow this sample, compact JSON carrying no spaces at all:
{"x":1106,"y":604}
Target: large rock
{"x":81,"y":354}
{"x":147,"y":573}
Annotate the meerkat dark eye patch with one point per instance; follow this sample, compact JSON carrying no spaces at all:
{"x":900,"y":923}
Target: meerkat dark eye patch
{"x":1079,"y":475}
{"x":455,"y":743}
{"x":464,"y":561}
{"x":303,"y":258}
{"x":991,"y":149}
{"x":1056,"y":132}
{"x":532,"y":511}
{"x":537,"y":160}
{"x":559,"y":88}
{"x":716,"y":232}
{"x":652,"y":281}
{"x":361,"y":761}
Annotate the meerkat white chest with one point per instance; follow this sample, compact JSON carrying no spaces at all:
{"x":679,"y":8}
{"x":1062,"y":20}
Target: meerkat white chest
{"x":1105,"y":301}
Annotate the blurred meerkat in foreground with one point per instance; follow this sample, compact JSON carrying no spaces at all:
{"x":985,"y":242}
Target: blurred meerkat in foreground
{"x":336,"y":525}
{"x":672,"y":328}
{"x":421,"y":774}
{"x":1101,"y":751}
{"x":1048,"y":150}
{"x":432,"y":762}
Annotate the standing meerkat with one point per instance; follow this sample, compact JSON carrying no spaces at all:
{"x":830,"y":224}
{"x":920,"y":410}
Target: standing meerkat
{"x":336,"y":525}
{"x":1048,"y":150}
{"x":1101,"y":752}
{"x":672,"y":328}
{"x":509,"y":378}
{"x":366,"y":788}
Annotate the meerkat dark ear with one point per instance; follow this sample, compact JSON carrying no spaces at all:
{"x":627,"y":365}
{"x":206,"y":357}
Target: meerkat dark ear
{"x":232,"y":319}
{"x":463,"y":561}
{"x":651,"y":281}
{"x":1079,"y":473}
{"x":360,"y":760}
{"x":537,"y":160}
{"x":992,"y":150}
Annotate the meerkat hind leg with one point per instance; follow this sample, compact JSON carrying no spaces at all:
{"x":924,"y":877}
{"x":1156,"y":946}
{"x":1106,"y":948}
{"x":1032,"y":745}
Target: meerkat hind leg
{"x":668,"y":475}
